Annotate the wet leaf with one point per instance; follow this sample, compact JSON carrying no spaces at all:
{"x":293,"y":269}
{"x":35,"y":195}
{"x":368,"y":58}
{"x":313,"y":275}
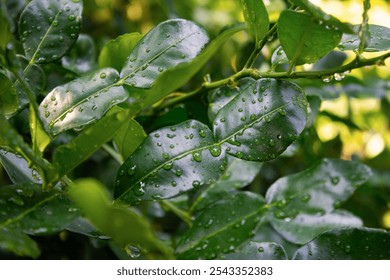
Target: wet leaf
{"x":71,"y":154}
{"x":258,"y":251}
{"x":279,"y":57}
{"x":49,"y":28}
{"x":81,"y":58}
{"x":303,"y":39}
{"x":219,"y":98}
{"x":348,"y":244}
{"x":171,"y":161}
{"x":181,"y":73}
{"x":8,"y":98}
{"x":322,"y":17}
{"x":129,"y":137}
{"x":17,"y":168}
{"x":18,"y":243}
{"x":222,"y":227}
{"x":262,"y":120}
{"x":166,"y":46}
{"x":256,"y":18}
{"x":378,"y":39}
{"x":116,"y":52}
{"x":303,"y":203}
{"x":122,"y":224}
{"x":305,"y":227}
{"x":81,"y":101}
{"x":237,"y":174}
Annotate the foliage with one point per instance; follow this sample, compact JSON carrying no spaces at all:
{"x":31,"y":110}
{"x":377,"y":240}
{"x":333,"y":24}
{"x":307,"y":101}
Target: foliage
{"x":121,"y":142}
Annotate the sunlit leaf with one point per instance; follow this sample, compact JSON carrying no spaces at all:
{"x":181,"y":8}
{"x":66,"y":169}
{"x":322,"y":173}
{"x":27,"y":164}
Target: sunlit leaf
{"x":303,"y":39}
{"x":49,"y":28}
{"x":81,"y":101}
{"x":262,"y":120}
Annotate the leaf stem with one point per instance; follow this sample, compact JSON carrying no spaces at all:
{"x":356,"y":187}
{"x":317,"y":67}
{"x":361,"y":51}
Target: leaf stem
{"x":114,"y":154}
{"x":177,"y":211}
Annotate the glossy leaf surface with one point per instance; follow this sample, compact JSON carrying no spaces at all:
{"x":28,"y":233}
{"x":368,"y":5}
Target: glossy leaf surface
{"x":220,"y":97}
{"x":258,"y":251}
{"x":115,"y":52}
{"x":82,"y":100}
{"x":303,"y":39}
{"x":8,"y":98}
{"x":169,"y":162}
{"x":81,"y":57}
{"x":70,"y":155}
{"x":222,"y":227}
{"x":180,"y":74}
{"x":237,"y":174}
{"x":348,"y":244}
{"x":378,"y":39}
{"x":49,"y":28}
{"x":256,"y":17}
{"x":262,"y":120}
{"x":122,"y":224}
{"x":166,"y":46}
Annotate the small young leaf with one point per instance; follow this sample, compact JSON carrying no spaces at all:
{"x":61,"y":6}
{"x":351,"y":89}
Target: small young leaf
{"x":166,"y":46}
{"x":258,"y":251}
{"x":17,"y":168}
{"x":81,"y":58}
{"x":279,"y":57}
{"x":303,"y":39}
{"x":379,"y":39}
{"x":169,"y":162}
{"x":122,"y":224}
{"x":8,"y":98}
{"x":49,"y":28}
{"x":129,"y":137}
{"x":81,"y":101}
{"x":39,"y":137}
{"x":256,"y":17}
{"x":222,"y":227}
{"x":347,"y":244}
{"x":115,"y":52}
{"x":262,"y":120}
{"x":304,"y":227}
{"x":237,"y":174}
{"x":70,"y":155}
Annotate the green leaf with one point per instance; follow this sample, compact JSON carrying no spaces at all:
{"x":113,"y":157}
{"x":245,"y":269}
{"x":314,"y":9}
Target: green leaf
{"x":8,"y":98}
{"x":258,"y":251}
{"x":304,"y":227}
{"x":18,"y":243}
{"x":115,"y":52}
{"x":81,"y":101}
{"x":262,"y":120}
{"x":348,"y":244}
{"x":49,"y":28}
{"x":303,"y":202}
{"x":238,"y":174}
{"x":166,"y":46}
{"x":39,"y":137}
{"x":303,"y":39}
{"x":71,"y":154}
{"x":122,"y":224}
{"x":256,"y":17}
{"x":81,"y":58}
{"x":129,"y":137}
{"x":219,"y":98}
{"x":222,"y":227}
{"x":378,"y":39}
{"x":171,"y":161}
{"x":322,"y":17}
{"x":17,"y":168}
{"x":279,"y":57}
{"x":26,"y":209}
{"x":181,"y":73}
{"x":5,"y":32}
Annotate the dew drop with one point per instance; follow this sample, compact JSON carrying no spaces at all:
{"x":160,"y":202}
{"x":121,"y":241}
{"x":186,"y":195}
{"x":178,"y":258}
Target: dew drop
{"x":160,"y":69}
{"x":47,"y":114}
{"x":197,"y":156}
{"x":71,"y":17}
{"x":260,"y":249}
{"x":306,"y":198}
{"x":339,"y":76}
{"x":165,"y":155}
{"x":252,"y":117}
{"x":239,"y":155}
{"x":243,"y":118}
{"x":55,"y":23}
{"x":139,"y":190}
{"x":335,"y":180}
{"x":196,"y":184}
{"x":215,"y":150}
{"x":103,"y":75}
{"x":202,"y":133}
{"x":173,"y":183}
{"x":133,"y":252}
{"x":271,"y":143}
{"x":131,"y":171}
{"x":168,"y":166}
{"x":179,"y":172}
{"x":94,"y":107}
{"x":327,"y":79}
{"x":347,"y":249}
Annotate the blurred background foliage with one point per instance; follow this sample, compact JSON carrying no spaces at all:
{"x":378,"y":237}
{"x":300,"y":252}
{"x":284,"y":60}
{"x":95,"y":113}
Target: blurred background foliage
{"x":352,"y":121}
